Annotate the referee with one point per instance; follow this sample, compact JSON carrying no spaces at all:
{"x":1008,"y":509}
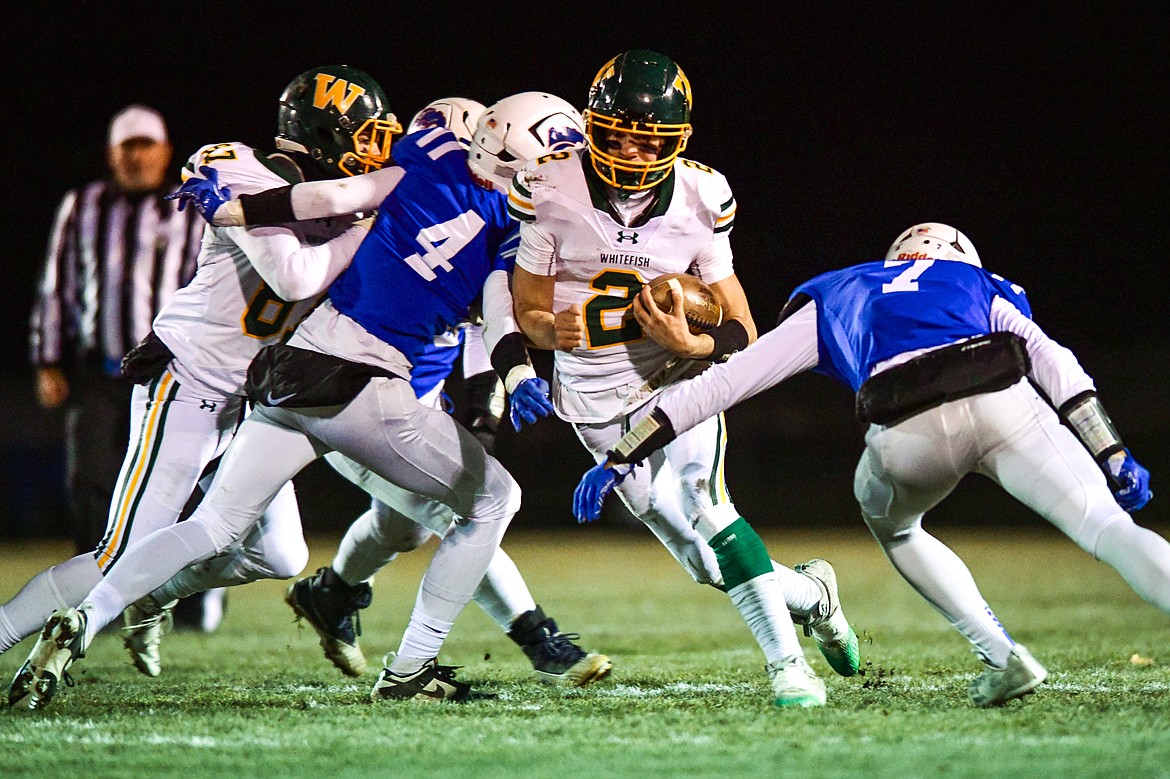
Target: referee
{"x":117,"y":252}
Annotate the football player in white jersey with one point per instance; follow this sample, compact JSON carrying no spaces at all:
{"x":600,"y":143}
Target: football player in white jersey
{"x":339,"y":383}
{"x":596,"y":225}
{"x":330,"y":599}
{"x":945,"y":360}
{"x":251,"y":288}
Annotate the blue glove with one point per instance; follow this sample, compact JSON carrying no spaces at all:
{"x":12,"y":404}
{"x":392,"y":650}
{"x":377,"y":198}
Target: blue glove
{"x":204,"y":193}
{"x":597,"y":482}
{"x":1129,"y":481}
{"x":529,"y":402}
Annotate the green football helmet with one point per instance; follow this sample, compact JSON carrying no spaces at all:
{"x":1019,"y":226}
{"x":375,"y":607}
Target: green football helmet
{"x":640,"y":93}
{"x":336,"y":117}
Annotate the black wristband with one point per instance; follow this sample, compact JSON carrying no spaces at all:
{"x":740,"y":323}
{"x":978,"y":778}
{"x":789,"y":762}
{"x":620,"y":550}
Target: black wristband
{"x":730,"y":337}
{"x":509,"y":353}
{"x":270,"y":207}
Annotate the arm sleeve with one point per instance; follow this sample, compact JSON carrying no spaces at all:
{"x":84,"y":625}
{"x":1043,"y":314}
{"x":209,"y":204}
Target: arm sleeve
{"x":475,"y":355}
{"x":788,"y":349}
{"x":499,"y":319}
{"x":295,"y":271}
{"x":336,"y":197}
{"x":47,"y":326}
{"x":538,"y":250}
{"x":1054,"y":368}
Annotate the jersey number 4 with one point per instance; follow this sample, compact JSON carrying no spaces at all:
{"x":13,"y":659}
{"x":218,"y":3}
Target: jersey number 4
{"x":442,"y":242}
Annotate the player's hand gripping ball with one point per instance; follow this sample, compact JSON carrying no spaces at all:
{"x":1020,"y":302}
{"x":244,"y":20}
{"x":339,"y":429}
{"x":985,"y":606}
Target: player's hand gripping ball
{"x":700,"y":307}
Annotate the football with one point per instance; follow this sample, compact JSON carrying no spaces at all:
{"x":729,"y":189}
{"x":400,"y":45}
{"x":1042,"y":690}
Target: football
{"x":700,"y":307}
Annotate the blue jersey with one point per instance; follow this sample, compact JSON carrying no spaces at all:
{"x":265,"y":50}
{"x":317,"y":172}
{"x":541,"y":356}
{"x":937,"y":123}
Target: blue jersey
{"x":437,"y":359}
{"x":877,"y":310}
{"x":433,"y":244}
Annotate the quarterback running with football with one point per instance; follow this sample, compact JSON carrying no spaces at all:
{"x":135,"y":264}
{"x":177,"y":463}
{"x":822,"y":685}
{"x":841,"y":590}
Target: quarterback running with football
{"x":597,"y":224}
{"x":945,"y":361}
{"x":251,"y":287}
{"x":340,"y":384}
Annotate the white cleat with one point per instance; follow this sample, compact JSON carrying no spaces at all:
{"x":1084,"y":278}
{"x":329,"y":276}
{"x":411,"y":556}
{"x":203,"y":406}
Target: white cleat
{"x":144,"y":624}
{"x":62,"y":640}
{"x":828,"y":627}
{"x":794,"y":683}
{"x":997,"y":686}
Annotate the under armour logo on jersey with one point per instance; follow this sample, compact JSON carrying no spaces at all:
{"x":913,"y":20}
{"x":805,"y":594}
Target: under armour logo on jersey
{"x":337,"y":92}
{"x":207,"y":405}
{"x":623,"y":236}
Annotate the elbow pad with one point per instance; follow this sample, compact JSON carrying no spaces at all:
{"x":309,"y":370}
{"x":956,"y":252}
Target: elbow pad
{"x":1087,"y":418}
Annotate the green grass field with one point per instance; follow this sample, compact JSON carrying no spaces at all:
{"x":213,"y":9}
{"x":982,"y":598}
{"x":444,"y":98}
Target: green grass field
{"x":687,"y":697}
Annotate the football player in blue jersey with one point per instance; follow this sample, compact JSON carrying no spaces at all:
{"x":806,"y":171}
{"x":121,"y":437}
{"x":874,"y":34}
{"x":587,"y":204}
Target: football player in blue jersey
{"x":340,"y":383}
{"x":945,"y":360}
{"x":331,"y":599}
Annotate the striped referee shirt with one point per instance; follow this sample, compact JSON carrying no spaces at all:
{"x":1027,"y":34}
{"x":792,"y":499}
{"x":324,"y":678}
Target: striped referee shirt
{"x":113,"y":261}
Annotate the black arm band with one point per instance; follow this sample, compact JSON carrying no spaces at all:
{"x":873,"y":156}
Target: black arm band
{"x":647,"y":437}
{"x":509,"y":353}
{"x":270,"y":207}
{"x":730,"y":337}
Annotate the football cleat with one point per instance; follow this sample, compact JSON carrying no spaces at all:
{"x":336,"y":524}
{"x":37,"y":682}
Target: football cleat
{"x":555,"y":658}
{"x":997,"y":686}
{"x":331,"y":607}
{"x":794,"y":683}
{"x":828,"y":627}
{"x":145,"y":622}
{"x":432,"y":683}
{"x":60,"y":643}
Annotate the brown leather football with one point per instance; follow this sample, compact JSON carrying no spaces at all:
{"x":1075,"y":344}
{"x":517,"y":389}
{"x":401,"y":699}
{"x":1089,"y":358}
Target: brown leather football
{"x":700,"y":307}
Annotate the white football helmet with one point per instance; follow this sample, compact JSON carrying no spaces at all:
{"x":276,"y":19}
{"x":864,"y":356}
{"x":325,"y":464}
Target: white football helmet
{"x":457,"y":114}
{"x":935,"y":241}
{"x":520,"y":128}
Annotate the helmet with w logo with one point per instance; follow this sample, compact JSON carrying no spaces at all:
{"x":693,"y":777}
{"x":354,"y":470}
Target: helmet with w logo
{"x":646,"y":95}
{"x":336,"y":117}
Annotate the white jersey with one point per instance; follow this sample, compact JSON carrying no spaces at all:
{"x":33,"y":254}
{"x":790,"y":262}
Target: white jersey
{"x":253,"y":285}
{"x":570,"y":230}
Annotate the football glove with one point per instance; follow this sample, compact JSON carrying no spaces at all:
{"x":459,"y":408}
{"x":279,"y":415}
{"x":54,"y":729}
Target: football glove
{"x":1129,"y":481}
{"x":205,"y":193}
{"x":530,"y":402}
{"x":597,"y":482}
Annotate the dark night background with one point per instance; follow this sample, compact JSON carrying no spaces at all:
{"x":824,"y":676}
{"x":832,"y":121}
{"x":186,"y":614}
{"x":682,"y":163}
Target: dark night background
{"x":1037,"y":130}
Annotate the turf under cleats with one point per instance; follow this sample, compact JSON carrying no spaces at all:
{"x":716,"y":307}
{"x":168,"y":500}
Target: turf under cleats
{"x":828,"y":627}
{"x":60,"y":643}
{"x":996,"y":686}
{"x":331,"y":607}
{"x":794,"y":683}
{"x":433,"y":683}
{"x":555,"y":658}
{"x":144,"y":623}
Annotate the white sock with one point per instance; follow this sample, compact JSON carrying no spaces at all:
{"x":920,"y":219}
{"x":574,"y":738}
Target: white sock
{"x":60,"y":587}
{"x":761,"y":604}
{"x":943,"y":579}
{"x":422,"y":640}
{"x":361,"y":553}
{"x":801,"y":593}
{"x":502,"y":594}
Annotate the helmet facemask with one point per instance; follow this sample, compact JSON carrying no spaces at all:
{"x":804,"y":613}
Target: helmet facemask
{"x":645,"y":95}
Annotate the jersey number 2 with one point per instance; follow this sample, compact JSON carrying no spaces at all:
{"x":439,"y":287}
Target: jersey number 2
{"x":596,"y":307}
